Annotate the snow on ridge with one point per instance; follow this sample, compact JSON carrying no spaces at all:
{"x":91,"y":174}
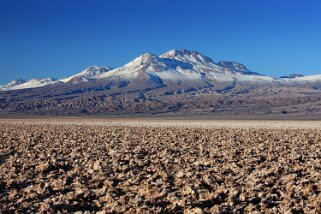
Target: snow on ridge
{"x":187,"y":56}
{"x":33,"y":83}
{"x":174,"y":65}
{"x":11,"y":84}
{"x":88,"y":73}
{"x":307,"y":79}
{"x":151,"y":64}
{"x":83,"y":76}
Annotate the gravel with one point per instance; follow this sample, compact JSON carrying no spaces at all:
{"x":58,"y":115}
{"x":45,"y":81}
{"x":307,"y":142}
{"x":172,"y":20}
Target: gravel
{"x":48,"y":166}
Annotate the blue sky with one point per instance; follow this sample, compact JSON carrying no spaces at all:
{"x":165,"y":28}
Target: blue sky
{"x":40,"y":38}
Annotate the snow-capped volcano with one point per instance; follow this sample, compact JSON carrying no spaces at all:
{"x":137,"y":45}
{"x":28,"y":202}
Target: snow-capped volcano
{"x":176,"y":81}
{"x":146,"y":64}
{"x":183,"y":67}
{"x":174,"y":67}
{"x":150,"y":69}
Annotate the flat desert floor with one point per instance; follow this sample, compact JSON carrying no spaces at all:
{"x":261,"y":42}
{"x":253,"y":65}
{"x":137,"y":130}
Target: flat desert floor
{"x":159,"y":166}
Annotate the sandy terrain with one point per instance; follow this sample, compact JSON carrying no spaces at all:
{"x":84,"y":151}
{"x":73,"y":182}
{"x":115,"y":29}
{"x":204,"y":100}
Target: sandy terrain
{"x":157,"y":165}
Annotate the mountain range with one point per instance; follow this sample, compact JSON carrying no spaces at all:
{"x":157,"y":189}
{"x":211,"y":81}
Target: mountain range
{"x":178,"y":81}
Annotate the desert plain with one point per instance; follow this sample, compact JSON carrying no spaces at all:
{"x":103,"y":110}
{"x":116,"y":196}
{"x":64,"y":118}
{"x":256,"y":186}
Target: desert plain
{"x":88,"y":165}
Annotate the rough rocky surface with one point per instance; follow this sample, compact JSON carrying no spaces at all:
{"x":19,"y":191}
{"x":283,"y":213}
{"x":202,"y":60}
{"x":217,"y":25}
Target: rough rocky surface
{"x":102,"y":99}
{"x":48,"y":167}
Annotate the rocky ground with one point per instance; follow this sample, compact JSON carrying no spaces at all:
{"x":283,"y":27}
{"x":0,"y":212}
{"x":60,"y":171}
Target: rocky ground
{"x":48,"y":167}
{"x":100,"y":99}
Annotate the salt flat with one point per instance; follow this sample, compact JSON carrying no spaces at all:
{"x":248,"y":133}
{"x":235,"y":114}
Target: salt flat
{"x":159,"y":166}
{"x":188,"y":123}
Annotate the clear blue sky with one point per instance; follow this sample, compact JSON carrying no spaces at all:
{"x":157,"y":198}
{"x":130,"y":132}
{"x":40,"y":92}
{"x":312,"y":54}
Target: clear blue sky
{"x":40,"y":38}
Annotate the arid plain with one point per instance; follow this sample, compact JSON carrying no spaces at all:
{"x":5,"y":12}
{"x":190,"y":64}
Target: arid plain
{"x":158,"y":165}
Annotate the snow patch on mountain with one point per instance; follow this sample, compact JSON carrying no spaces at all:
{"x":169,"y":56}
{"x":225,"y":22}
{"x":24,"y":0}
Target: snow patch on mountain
{"x":12,"y":84}
{"x":307,"y":79}
{"x":87,"y":74}
{"x":187,"y":56}
{"x":234,"y":67}
{"x":292,"y":76}
{"x":33,"y":83}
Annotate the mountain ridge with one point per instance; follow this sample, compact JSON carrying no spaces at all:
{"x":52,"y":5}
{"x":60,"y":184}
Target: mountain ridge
{"x":176,"y":65}
{"x":178,"y":81}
